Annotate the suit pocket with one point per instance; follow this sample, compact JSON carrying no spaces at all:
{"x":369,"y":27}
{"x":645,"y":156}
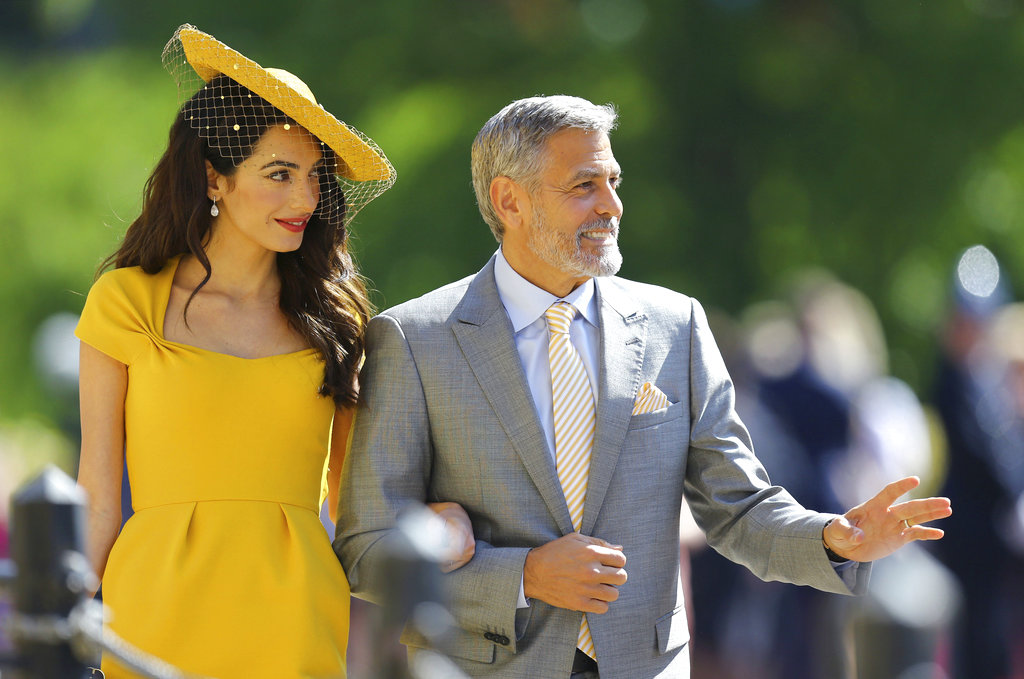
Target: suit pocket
{"x":672,"y":631}
{"x":461,"y":644}
{"x":647,"y":420}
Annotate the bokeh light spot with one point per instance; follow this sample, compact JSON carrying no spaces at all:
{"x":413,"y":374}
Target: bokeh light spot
{"x":978,"y":271}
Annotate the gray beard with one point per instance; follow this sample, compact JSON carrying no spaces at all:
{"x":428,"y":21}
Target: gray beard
{"x":566,"y":254}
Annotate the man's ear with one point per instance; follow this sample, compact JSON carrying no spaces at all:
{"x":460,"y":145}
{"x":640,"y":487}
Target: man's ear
{"x":511,"y":202}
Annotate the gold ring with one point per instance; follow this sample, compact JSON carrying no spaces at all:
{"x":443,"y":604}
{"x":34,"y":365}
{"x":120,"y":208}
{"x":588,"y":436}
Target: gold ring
{"x":907,"y":524}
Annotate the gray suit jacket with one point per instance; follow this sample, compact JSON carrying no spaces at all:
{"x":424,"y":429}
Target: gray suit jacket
{"x":446,"y":414}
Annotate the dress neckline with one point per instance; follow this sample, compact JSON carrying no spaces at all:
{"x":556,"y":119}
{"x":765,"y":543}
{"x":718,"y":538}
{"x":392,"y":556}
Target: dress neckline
{"x":165,"y":287}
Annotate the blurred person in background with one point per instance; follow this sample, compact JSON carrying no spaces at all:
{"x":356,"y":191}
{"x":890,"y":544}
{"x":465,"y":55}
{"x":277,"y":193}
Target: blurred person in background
{"x":806,"y":386}
{"x":1006,"y":337}
{"x":829,"y":425}
{"x":219,"y":359}
{"x":6,"y":474}
{"x":974,"y":393}
{"x":744,"y":626}
{"x":902,"y":627}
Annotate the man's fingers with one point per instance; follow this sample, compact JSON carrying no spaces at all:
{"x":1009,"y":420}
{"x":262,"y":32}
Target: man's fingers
{"x":590,"y":539}
{"x":607,"y":553}
{"x":923,"y":533}
{"x":607,"y":593}
{"x":923,"y":511}
{"x":597,"y":598}
{"x":615,"y":577}
{"x":894,"y":490}
{"x":606,"y":556}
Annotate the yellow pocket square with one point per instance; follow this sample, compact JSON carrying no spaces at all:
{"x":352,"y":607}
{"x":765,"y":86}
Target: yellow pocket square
{"x":649,"y":399}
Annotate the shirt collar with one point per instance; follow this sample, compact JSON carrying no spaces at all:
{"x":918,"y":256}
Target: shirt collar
{"x":525,"y":302}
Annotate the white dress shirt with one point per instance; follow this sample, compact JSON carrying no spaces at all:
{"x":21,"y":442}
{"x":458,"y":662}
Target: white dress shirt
{"x":525,"y":304}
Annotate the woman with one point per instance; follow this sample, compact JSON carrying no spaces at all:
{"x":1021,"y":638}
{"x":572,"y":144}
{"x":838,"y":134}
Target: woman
{"x":219,"y":358}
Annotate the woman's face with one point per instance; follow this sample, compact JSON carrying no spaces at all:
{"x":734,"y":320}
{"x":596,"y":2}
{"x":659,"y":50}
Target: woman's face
{"x":273,"y":193}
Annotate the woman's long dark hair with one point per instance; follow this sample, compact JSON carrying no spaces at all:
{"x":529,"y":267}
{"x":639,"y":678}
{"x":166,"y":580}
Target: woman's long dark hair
{"x":322,"y":295}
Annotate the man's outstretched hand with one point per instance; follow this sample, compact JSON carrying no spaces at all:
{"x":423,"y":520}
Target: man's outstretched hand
{"x":877,"y":528}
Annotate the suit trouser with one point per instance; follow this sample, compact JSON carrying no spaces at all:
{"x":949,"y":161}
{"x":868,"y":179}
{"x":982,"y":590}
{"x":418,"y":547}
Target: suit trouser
{"x":583,"y":667}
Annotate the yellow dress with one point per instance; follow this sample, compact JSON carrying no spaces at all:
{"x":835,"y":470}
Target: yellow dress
{"x":225,"y":569}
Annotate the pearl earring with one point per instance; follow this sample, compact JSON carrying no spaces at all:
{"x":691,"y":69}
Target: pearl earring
{"x":214,"y":210}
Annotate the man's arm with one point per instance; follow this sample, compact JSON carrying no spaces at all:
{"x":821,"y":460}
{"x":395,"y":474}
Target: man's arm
{"x":390,"y":466}
{"x":743,"y":516}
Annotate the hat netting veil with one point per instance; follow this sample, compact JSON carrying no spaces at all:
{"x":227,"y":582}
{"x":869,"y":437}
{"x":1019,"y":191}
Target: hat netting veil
{"x":231,"y":101}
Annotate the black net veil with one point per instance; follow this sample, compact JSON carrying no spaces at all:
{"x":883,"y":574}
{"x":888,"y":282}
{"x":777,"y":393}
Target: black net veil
{"x":231,"y":101}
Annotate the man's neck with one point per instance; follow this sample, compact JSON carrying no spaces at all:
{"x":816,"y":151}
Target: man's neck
{"x":541,"y":274}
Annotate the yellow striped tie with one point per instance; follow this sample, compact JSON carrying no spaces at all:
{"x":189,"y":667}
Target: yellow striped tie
{"x":575,"y":423}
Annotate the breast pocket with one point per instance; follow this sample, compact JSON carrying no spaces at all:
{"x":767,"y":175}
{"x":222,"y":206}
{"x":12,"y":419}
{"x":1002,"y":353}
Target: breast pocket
{"x":654,"y":451}
{"x":657,"y":417}
{"x":651,"y":464}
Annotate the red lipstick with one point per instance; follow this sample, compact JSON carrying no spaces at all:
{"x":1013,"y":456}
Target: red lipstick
{"x":294,"y":225}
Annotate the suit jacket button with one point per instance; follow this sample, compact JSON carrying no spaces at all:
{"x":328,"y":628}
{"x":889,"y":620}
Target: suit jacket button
{"x":490,"y":636}
{"x":501,"y":639}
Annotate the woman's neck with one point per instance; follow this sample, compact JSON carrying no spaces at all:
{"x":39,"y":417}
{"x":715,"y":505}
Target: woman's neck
{"x":239,"y":270}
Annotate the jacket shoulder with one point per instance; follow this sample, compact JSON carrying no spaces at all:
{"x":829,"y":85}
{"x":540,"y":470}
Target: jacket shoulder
{"x":435,"y":306}
{"x":653,"y":300}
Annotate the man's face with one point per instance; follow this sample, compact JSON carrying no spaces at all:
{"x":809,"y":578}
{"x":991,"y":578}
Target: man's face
{"x":574,"y":225}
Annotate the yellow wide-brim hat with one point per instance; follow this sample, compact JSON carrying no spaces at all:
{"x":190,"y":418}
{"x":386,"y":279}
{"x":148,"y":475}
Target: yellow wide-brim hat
{"x":359,"y":161}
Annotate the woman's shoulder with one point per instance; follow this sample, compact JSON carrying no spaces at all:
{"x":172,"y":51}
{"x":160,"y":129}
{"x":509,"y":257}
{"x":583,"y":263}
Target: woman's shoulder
{"x":124,"y":310}
{"x":130,"y":282}
{"x":127,"y":298}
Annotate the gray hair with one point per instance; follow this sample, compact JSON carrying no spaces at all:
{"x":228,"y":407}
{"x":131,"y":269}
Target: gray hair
{"x":512,"y":143}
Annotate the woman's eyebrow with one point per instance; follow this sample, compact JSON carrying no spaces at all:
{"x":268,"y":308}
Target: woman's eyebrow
{"x":290,"y":165}
{"x":280,"y":163}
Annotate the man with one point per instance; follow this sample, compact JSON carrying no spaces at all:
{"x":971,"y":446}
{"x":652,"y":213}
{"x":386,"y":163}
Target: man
{"x":571,"y":452}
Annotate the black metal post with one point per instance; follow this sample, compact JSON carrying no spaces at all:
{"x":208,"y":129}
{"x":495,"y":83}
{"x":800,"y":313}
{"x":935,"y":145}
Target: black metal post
{"x":416,"y":598}
{"x":47,"y":545}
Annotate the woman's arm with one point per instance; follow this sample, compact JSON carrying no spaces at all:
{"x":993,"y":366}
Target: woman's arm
{"x":103,"y":384}
{"x":340,"y":434}
{"x":458,"y":528}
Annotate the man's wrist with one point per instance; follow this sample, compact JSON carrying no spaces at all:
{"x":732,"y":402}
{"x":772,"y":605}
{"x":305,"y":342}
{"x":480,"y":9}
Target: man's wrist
{"x":832,"y":556}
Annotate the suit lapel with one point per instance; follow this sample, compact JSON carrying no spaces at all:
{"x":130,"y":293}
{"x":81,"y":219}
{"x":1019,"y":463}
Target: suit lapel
{"x":623,"y":337}
{"x":485,"y":335}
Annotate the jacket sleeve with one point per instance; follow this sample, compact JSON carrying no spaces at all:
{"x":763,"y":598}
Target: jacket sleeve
{"x":388,"y":467}
{"x":745,"y":517}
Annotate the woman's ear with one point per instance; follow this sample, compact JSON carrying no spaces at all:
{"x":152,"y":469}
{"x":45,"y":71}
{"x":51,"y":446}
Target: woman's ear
{"x":216,"y":183}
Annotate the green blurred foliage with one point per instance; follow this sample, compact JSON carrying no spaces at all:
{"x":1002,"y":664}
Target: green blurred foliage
{"x":874,"y":139}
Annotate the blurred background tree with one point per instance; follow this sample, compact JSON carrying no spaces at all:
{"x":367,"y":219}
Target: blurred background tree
{"x":872,"y":139}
